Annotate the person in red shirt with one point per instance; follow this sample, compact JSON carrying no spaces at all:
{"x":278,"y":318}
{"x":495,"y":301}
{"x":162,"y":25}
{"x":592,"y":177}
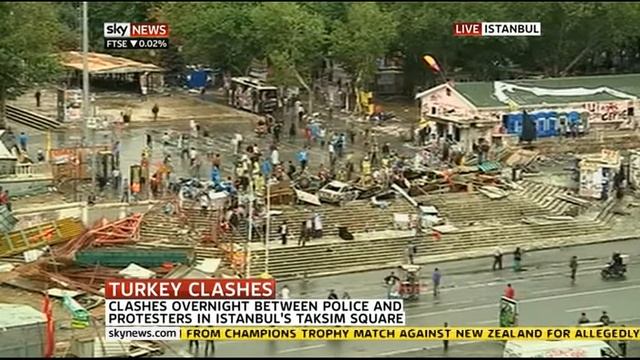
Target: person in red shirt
{"x":509,"y":292}
{"x":3,"y":197}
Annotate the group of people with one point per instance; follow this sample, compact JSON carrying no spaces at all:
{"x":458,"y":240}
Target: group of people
{"x":497,"y":259}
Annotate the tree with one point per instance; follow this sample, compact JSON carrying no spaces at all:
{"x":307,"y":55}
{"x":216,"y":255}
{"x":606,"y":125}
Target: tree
{"x":28,"y":35}
{"x":291,"y":38}
{"x":102,"y":12}
{"x":216,"y":34}
{"x":363,"y":38}
{"x":571,"y":31}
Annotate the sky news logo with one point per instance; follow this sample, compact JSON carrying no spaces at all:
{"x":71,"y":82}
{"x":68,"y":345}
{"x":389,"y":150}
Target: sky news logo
{"x":135,"y":30}
{"x":497,"y":29}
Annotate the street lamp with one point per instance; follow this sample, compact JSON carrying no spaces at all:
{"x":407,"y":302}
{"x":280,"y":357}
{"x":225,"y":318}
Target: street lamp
{"x":268,"y":228}
{"x":86,"y":105}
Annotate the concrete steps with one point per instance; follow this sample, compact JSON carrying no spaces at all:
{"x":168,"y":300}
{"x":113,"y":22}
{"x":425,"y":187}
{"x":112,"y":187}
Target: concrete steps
{"x":544,"y":195}
{"x":475,"y":208}
{"x":31,"y":119}
{"x":291,"y":262}
{"x":357,"y":216}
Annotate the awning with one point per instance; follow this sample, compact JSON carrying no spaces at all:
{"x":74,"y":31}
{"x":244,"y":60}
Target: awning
{"x":106,"y":64}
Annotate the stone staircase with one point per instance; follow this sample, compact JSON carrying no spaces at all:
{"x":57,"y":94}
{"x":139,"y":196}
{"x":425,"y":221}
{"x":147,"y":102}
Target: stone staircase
{"x":358,"y":216}
{"x":385,"y":250}
{"x":544,"y":196}
{"x":467,"y":209}
{"x":170,"y":231}
{"x":31,"y":119}
{"x":481,"y":223}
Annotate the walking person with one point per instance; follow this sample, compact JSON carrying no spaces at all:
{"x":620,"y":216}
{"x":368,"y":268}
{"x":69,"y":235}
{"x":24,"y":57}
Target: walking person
{"x":308,"y":230}
{"x":622,"y":344}
{"x":192,"y":343}
{"x":436,"y":281}
{"x":7,"y":200}
{"x":509,"y":292}
{"x":285,"y":293}
{"x":573,"y":265}
{"x":154,"y":110}
{"x":209,"y":344}
{"x":292,"y":130}
{"x":317,"y":226}
{"x":303,"y":158}
{"x":38,"y":94}
{"x":284,"y":231}
{"x":517,"y":258}
{"x":497,"y":258}
{"x":303,"y":230}
{"x":22,"y":139}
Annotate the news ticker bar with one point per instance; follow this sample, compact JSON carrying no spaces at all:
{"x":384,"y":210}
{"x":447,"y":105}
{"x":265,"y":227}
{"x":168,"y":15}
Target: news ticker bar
{"x":375,"y":334}
{"x":136,"y":44}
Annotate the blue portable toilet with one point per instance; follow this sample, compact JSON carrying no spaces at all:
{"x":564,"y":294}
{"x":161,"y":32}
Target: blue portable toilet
{"x":538,"y":118}
{"x":573,"y":117}
{"x":552,"y":121}
{"x":514,"y":123}
{"x":197,"y":79}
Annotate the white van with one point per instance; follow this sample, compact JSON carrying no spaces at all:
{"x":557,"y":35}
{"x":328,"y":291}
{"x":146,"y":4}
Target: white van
{"x":559,"y":349}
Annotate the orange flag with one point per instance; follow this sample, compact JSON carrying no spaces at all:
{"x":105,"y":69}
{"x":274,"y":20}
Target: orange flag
{"x":431,"y":62}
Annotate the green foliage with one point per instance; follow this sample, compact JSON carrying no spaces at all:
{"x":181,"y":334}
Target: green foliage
{"x":290,"y":37}
{"x":365,"y":36}
{"x":294,"y":37}
{"x":28,"y":34}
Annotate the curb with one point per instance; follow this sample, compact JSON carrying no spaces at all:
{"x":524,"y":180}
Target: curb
{"x":476,"y":254}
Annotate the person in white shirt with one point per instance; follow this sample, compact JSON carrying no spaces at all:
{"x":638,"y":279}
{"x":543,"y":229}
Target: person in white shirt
{"x":192,"y":155}
{"x":323,"y":133}
{"x":284,"y":231}
{"x":204,"y":203}
{"x":285,"y":293}
{"x":332,"y":153}
{"x":275,"y":157}
{"x":237,"y":143}
{"x":317,"y":226}
{"x":497,"y":258}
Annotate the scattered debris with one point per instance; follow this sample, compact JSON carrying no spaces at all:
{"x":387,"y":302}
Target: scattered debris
{"x":493,"y":192}
{"x":134,"y":271}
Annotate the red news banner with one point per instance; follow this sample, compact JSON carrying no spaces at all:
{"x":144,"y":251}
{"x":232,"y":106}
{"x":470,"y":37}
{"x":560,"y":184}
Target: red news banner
{"x":156,"y":289}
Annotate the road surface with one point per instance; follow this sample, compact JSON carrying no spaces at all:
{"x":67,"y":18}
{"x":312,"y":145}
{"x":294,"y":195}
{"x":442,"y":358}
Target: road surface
{"x":470,"y":294}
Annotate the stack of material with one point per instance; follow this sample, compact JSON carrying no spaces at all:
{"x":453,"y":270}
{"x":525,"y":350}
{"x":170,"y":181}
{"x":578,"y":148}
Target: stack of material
{"x":573,"y":200}
{"x":493,"y":192}
{"x":281,"y":193}
{"x":118,"y":232}
{"x":521,"y":158}
{"x":51,"y":233}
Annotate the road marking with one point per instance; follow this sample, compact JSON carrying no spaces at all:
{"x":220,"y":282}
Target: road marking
{"x":525,"y":301}
{"x":432,"y":347}
{"x":310,"y":347}
{"x":434,"y":305}
{"x":596,"y":307}
{"x":547,"y":291}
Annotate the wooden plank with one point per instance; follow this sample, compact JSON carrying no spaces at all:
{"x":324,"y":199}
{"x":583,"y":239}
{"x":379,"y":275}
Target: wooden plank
{"x":8,"y":241}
